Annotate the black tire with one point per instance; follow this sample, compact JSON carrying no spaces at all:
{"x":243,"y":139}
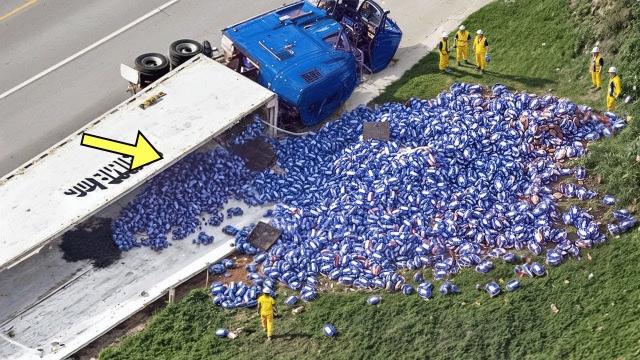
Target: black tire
{"x":152,"y":64}
{"x":183,"y":50}
{"x":148,"y":79}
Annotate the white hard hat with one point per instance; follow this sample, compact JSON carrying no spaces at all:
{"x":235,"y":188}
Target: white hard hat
{"x":595,"y":50}
{"x":479,"y":32}
{"x":444,"y":34}
{"x":266,"y":290}
{"x":613,"y":70}
{"x":462,"y":28}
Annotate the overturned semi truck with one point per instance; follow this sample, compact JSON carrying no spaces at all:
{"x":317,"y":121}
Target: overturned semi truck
{"x":312,"y":55}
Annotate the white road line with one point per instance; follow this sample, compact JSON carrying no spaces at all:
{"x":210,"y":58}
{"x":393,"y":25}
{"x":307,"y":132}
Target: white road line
{"x":88,"y":48}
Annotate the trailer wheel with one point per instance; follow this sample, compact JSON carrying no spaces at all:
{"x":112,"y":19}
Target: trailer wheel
{"x":183,"y":50}
{"x":152,"y":64}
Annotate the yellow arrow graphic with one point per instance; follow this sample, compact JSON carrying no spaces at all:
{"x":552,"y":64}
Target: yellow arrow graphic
{"x":142,"y":151}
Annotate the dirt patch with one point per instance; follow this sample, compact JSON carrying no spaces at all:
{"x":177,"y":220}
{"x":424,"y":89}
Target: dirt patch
{"x":237,"y":273}
{"x":91,"y":241}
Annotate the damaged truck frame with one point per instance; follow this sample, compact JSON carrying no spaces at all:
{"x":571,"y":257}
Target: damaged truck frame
{"x":312,"y":55}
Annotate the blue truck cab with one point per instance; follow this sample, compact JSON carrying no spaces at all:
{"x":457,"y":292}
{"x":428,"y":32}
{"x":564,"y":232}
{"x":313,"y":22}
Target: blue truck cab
{"x":311,"y":55}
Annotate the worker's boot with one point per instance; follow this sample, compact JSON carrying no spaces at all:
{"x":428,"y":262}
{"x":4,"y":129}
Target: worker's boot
{"x":448,"y":71}
{"x":467,"y":62}
{"x":458,"y":64}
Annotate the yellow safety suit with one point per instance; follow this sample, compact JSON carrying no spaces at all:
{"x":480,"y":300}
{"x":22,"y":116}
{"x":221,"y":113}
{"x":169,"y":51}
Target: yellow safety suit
{"x":596,"y":69}
{"x":443,"y":50}
{"x":613,"y":92}
{"x":265,"y":307}
{"x":462,"y":46}
{"x":480,"y":45}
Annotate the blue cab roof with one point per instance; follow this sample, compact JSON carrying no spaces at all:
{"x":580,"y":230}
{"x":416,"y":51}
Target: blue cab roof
{"x":295,"y":60}
{"x":283,"y":36}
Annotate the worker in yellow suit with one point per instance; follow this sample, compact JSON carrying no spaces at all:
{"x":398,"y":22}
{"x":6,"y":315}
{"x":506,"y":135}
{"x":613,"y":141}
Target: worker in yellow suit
{"x":596,"y":68}
{"x":266,"y":310}
{"x":443,"y":51}
{"x":481,"y":47}
{"x":462,"y":45}
{"x":615,"y":88}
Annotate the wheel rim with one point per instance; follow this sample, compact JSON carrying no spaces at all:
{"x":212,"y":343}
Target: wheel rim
{"x":186,"y":48}
{"x":152,"y":61}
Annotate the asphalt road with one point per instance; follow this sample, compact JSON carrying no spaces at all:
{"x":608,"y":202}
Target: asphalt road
{"x":38,"y":34}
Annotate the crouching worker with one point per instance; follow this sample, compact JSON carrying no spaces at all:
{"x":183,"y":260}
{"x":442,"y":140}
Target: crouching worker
{"x":266,"y":310}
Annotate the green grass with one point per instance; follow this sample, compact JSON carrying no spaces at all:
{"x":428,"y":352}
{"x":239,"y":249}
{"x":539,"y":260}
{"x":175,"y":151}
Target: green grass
{"x":519,"y":58}
{"x":516,"y":31}
{"x":597,"y":318}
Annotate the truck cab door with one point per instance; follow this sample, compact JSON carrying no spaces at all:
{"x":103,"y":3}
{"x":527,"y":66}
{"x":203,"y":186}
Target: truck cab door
{"x":337,"y":9}
{"x":327,"y":5}
{"x":383,"y":36}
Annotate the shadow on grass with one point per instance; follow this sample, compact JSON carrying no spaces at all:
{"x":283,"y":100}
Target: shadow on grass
{"x":425,"y":80}
{"x":524,"y":80}
{"x":470,"y":71}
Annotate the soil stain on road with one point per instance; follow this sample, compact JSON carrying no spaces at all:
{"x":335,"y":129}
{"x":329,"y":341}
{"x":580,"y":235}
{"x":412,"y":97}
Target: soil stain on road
{"x":91,"y":241}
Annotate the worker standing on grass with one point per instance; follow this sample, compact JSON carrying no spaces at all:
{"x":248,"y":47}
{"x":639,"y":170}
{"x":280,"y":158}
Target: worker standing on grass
{"x":614,"y":89}
{"x":266,"y":310}
{"x":595,"y":68}
{"x":443,"y":50}
{"x":462,"y":45}
{"x":481,"y":47}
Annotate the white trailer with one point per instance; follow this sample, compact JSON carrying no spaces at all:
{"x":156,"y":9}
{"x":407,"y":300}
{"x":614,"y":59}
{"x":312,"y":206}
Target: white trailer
{"x":68,"y":183}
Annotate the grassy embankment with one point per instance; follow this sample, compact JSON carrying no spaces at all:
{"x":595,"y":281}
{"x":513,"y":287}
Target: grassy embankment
{"x":597,"y":318}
